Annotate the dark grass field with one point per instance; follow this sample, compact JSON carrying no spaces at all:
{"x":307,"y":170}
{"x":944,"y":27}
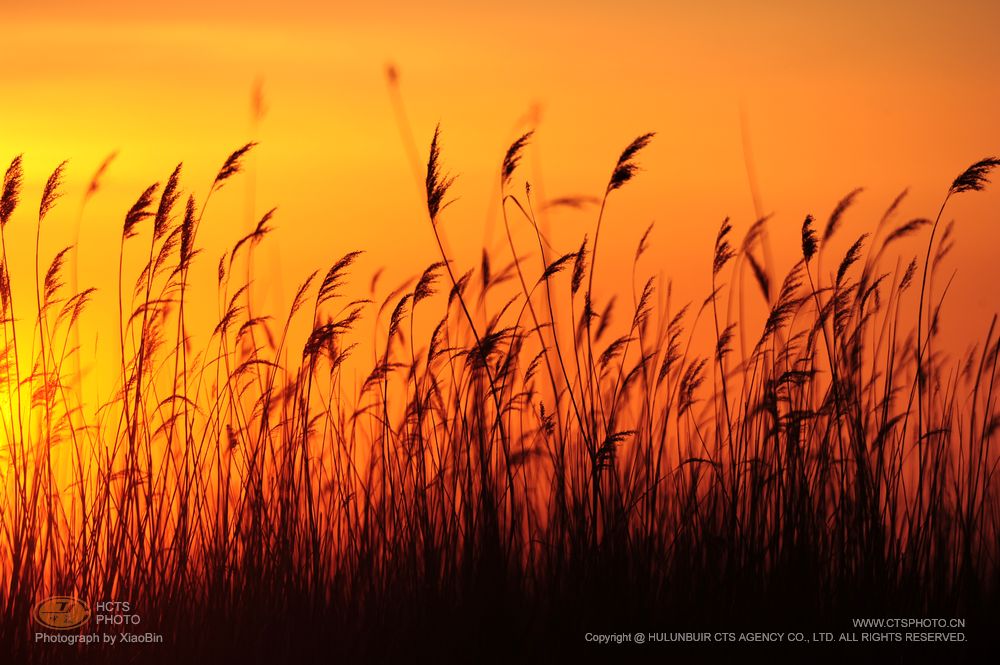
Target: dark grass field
{"x":524,"y":466}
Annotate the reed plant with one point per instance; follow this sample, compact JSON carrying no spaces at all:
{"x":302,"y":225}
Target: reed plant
{"x":519,"y":466}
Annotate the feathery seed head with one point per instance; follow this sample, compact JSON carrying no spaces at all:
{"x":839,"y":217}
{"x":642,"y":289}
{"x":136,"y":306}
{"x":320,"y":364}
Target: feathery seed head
{"x":626,"y":168}
{"x":911,"y":270}
{"x":852,"y":256}
{"x":95,"y":181}
{"x":723,"y":250}
{"x":51,"y":192}
{"x":187,"y":232}
{"x":513,"y":156}
{"x":837,"y":215}
{"x":579,"y":266}
{"x":425,"y":286}
{"x":139,"y":211}
{"x":974,"y":178}
{"x":809,"y":244}
{"x":232,"y":165}
{"x":167,"y":200}
{"x":436,"y":183}
{"x":11,"y":189}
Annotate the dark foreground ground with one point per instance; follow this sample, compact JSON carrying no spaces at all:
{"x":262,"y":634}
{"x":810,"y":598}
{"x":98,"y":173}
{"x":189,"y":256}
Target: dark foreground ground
{"x":608,"y":618}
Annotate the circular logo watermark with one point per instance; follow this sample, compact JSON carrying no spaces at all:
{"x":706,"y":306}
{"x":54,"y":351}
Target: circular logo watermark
{"x":61,"y":612}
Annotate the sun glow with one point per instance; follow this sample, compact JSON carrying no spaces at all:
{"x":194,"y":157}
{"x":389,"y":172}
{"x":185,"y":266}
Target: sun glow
{"x":469,"y":326}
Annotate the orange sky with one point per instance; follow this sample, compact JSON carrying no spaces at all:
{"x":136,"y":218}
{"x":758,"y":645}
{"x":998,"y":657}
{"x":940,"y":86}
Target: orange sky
{"x":836,"y":95}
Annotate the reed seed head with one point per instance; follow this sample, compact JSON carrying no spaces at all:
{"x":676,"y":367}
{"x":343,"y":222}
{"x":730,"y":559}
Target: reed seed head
{"x":975,"y":178}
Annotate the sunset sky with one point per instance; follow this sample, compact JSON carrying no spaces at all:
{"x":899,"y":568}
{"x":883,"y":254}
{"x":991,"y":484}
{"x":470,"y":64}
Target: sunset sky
{"x":833,"y":95}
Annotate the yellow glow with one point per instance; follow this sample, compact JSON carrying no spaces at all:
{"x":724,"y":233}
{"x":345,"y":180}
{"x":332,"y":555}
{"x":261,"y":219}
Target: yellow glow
{"x":834,"y":96}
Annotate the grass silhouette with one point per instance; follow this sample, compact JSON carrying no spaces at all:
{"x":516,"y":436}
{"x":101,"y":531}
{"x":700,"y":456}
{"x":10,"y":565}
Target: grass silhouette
{"x":511,"y":480}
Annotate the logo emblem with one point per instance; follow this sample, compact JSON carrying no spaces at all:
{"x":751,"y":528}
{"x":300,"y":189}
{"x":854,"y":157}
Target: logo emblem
{"x":62,"y":612}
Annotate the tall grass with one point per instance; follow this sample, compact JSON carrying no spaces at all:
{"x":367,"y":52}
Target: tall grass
{"x":506,"y":477}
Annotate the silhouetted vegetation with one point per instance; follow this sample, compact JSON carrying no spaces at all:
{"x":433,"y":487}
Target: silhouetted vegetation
{"x":520,"y":466}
